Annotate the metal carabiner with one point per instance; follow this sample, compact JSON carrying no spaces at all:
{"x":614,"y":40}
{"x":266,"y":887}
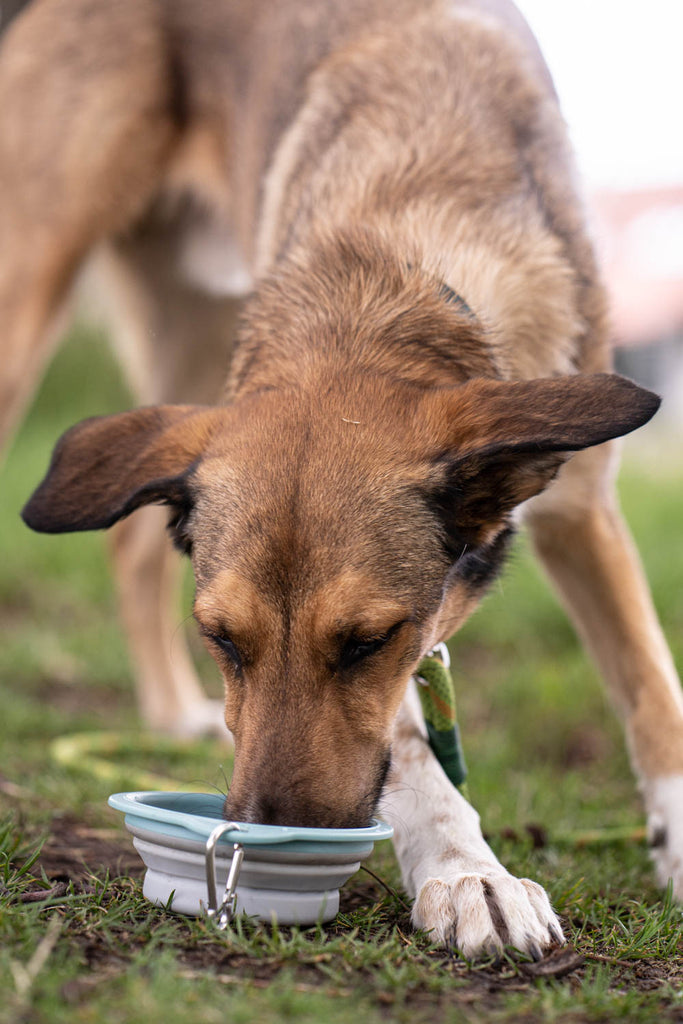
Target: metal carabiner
{"x":442,"y":652}
{"x":224,"y":913}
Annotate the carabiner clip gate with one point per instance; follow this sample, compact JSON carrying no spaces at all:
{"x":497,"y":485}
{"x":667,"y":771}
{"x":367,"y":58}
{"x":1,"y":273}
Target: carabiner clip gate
{"x":223,"y":914}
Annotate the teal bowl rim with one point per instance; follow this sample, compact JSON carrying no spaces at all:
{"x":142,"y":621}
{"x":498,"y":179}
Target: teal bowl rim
{"x":145,"y":808}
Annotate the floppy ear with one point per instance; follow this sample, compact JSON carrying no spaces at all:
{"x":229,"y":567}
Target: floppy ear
{"x":507,"y":440}
{"x":104,"y":468}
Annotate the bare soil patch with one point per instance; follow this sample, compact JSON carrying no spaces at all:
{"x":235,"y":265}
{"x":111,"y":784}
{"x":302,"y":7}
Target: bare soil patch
{"x":74,"y":852}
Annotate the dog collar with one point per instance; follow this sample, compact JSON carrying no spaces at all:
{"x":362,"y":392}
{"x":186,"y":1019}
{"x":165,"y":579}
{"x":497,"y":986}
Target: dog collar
{"x":437,"y":697}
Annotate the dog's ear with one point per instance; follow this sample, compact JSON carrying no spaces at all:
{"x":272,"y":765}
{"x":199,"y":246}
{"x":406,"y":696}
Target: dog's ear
{"x":104,"y":468}
{"x":507,"y":440}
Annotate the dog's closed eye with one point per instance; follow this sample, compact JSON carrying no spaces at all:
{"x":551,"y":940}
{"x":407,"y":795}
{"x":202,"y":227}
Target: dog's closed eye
{"x":357,"y":648}
{"x":227,"y":646}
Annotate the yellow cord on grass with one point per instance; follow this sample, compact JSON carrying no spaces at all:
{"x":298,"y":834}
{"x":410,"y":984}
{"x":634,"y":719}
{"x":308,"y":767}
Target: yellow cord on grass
{"x":92,"y":752}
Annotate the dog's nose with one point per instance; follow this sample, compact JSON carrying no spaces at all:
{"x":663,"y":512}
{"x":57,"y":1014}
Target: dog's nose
{"x":267,"y":809}
{"x":270,"y":811}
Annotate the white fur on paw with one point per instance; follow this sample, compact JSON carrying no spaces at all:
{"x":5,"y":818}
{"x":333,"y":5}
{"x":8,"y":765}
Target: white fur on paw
{"x":479,"y":914}
{"x":205,"y":718}
{"x":664,"y":801}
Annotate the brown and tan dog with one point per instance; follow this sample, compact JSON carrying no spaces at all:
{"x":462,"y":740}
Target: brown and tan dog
{"x":423,"y":348}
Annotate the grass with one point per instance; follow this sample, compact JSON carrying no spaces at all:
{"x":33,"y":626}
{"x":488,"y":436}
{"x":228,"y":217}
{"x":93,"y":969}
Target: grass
{"x":542,"y":745}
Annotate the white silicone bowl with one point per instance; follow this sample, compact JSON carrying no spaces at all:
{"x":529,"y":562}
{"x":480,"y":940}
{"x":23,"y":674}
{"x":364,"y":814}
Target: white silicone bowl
{"x":290,"y":873}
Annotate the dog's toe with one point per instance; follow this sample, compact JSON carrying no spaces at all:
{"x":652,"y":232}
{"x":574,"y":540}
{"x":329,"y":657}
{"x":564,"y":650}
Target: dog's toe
{"x":482,"y":914}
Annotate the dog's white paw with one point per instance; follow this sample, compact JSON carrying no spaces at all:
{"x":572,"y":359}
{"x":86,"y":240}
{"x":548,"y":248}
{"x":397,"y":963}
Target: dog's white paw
{"x":203,"y":718}
{"x":664,"y":802}
{"x":479,"y":914}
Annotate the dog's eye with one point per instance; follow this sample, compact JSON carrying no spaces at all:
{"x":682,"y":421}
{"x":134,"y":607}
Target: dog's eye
{"x":355,"y":650}
{"x":227,"y":646}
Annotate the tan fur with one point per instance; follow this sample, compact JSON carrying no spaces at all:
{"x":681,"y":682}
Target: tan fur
{"x":396,"y":179}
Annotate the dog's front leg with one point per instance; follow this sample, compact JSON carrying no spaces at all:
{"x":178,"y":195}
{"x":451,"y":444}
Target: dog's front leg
{"x":463,"y":895}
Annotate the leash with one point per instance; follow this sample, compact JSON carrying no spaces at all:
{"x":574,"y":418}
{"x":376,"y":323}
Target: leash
{"x":437,"y":698}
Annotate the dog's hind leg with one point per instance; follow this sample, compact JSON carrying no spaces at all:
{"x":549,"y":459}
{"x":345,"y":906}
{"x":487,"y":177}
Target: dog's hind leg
{"x":147,"y":570}
{"x":84,"y":140}
{"x":175,"y":341}
{"x":91,"y":117}
{"x":587,"y":550}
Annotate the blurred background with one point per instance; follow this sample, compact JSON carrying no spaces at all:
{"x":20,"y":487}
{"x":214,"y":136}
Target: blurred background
{"x":619,"y":74}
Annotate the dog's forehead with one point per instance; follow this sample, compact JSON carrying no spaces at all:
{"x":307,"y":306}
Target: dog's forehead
{"x":350,"y":600}
{"x":297,"y":501}
{"x":314,"y":451}
{"x":298,"y":528}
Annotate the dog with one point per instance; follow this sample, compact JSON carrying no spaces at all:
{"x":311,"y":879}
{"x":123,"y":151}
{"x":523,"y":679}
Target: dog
{"x":384,"y":193}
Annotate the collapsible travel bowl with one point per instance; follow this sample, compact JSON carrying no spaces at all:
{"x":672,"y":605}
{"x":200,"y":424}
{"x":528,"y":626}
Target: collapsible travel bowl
{"x":191,"y":853}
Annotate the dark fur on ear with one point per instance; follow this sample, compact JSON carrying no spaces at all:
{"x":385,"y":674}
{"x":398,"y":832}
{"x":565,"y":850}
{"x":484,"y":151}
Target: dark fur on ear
{"x":179,"y":519}
{"x":104,"y":468}
{"x":507,"y":441}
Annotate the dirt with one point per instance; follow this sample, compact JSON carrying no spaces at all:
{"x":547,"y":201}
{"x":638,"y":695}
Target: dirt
{"x":76,"y":853}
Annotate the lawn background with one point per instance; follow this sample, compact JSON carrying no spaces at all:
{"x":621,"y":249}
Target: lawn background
{"x":542,"y":745}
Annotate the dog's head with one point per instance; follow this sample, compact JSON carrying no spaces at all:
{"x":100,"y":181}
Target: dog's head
{"x":336,"y":534}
